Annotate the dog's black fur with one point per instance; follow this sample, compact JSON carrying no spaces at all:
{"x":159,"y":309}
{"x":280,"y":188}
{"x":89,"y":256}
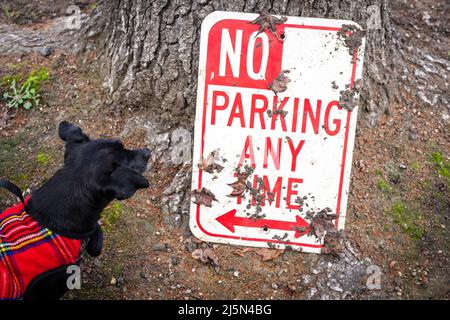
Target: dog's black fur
{"x":95,"y":172}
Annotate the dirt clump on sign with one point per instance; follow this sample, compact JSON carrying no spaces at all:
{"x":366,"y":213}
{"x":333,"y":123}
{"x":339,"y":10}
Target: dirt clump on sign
{"x":322,"y":226}
{"x":348,"y":98}
{"x":352,"y":37}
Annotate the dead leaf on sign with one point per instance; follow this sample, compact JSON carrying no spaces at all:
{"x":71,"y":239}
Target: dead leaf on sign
{"x":209,"y":164}
{"x":203,"y":196}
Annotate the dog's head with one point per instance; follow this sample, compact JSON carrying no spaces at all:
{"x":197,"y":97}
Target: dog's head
{"x":106,"y":166}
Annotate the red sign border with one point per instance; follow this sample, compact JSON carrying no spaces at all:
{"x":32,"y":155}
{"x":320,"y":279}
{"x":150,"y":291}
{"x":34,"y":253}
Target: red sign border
{"x":344,"y":153}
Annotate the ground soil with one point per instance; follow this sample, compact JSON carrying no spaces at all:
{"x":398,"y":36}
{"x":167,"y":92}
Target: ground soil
{"x":143,"y":259}
{"x":25,"y":12}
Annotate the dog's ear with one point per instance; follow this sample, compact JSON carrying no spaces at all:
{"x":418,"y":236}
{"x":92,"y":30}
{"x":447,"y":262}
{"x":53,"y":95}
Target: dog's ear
{"x":125,"y":182}
{"x":70,"y":133}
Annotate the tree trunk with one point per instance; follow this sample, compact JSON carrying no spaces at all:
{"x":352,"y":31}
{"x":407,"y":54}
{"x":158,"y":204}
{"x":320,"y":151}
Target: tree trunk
{"x":149,"y":53}
{"x":150,"y":49}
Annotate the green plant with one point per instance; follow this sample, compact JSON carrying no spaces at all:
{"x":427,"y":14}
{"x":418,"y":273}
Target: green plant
{"x":407,"y":218}
{"x":442,"y":166}
{"x":23,"y":96}
{"x":7,"y":79}
{"x":384,"y":186}
{"x":111,"y":214}
{"x":6,"y":12}
{"x":26,"y":94}
{"x":43,"y":158}
{"x":416,"y":166}
{"x":35,"y":78}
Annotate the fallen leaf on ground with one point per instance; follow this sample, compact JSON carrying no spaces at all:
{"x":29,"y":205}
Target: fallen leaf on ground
{"x":7,"y":115}
{"x":241,"y":252}
{"x":206,"y":255}
{"x":269,"y":254}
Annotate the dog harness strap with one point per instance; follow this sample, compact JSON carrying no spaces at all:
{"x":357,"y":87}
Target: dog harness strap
{"x":11,"y":187}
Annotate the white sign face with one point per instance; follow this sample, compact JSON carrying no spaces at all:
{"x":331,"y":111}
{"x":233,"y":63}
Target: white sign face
{"x":274,"y":128}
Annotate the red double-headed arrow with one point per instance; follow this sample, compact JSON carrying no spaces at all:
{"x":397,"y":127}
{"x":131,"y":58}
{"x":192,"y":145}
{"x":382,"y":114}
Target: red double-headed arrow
{"x":229,"y":221}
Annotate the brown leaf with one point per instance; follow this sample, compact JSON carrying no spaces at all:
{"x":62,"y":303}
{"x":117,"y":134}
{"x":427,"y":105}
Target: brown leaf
{"x":267,"y":21}
{"x":241,"y":185}
{"x":241,"y":252}
{"x":239,"y":188}
{"x":279,"y":84}
{"x":7,"y":115}
{"x":203,"y":196}
{"x":269,"y":254}
{"x":206,"y":255}
{"x":209,"y":164}
{"x":322,"y":222}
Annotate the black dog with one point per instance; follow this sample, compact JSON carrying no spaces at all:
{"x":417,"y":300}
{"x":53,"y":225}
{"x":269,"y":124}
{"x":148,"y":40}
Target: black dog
{"x":69,"y":204}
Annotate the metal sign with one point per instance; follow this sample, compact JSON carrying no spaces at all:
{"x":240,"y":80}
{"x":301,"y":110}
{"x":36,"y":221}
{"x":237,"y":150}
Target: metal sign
{"x":274,"y":128}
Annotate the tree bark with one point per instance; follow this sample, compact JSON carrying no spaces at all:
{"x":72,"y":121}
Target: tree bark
{"x":149,"y":54}
{"x":150,"y":50}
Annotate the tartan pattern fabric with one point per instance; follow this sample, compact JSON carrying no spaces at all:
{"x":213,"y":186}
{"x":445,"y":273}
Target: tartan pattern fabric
{"x":28,"y":250}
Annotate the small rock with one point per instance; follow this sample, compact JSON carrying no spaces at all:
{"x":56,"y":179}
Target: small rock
{"x":292,"y":287}
{"x":154,"y":199}
{"x":113,"y":281}
{"x":190,"y":246}
{"x":306,"y":280}
{"x":236,"y":274}
{"x":318,"y":270}
{"x":335,"y":286}
{"x":274,"y":286}
{"x":412,"y":134}
{"x":148,"y":227}
{"x":159,"y":247}
{"x":46,"y":51}
{"x":312,"y":292}
{"x":402,"y":166}
{"x":426,"y":18}
{"x":174,"y":260}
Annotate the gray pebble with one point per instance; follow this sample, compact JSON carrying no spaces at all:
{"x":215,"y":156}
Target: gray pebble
{"x":45,"y":51}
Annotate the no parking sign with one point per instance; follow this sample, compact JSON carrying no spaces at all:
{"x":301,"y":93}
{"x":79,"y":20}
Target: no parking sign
{"x":274,"y":128}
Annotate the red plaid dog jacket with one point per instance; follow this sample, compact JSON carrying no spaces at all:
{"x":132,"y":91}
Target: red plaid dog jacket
{"x":28,"y":250}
